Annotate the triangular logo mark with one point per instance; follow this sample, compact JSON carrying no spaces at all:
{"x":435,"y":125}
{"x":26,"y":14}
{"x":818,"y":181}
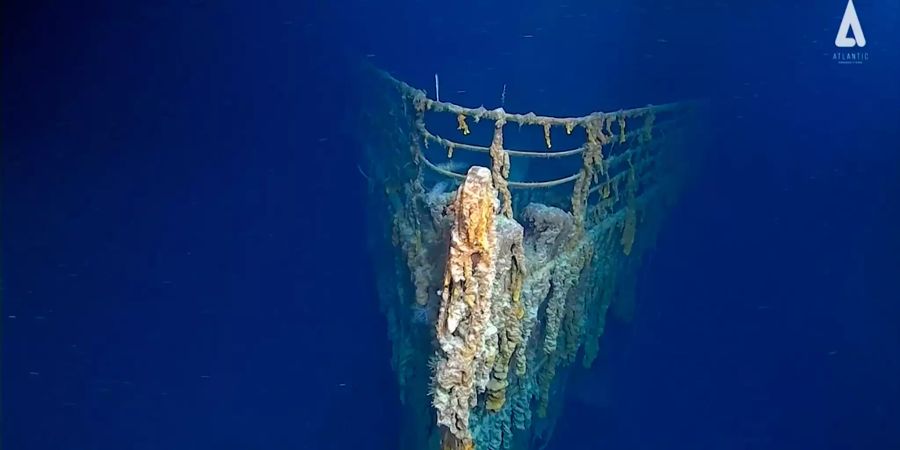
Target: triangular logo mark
{"x":850,"y":21}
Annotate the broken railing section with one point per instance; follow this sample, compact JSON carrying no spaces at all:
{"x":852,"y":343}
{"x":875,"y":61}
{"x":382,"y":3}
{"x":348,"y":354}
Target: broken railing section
{"x":490,"y":294}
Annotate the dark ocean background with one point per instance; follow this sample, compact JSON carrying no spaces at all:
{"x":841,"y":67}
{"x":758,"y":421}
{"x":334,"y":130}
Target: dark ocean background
{"x":184,"y":259}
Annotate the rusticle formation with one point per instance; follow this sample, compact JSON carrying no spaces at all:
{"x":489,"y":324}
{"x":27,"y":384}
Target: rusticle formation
{"x":492,"y":285}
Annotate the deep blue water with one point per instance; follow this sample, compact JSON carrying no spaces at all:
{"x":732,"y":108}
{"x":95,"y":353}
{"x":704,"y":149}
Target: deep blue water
{"x":183,"y":250}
